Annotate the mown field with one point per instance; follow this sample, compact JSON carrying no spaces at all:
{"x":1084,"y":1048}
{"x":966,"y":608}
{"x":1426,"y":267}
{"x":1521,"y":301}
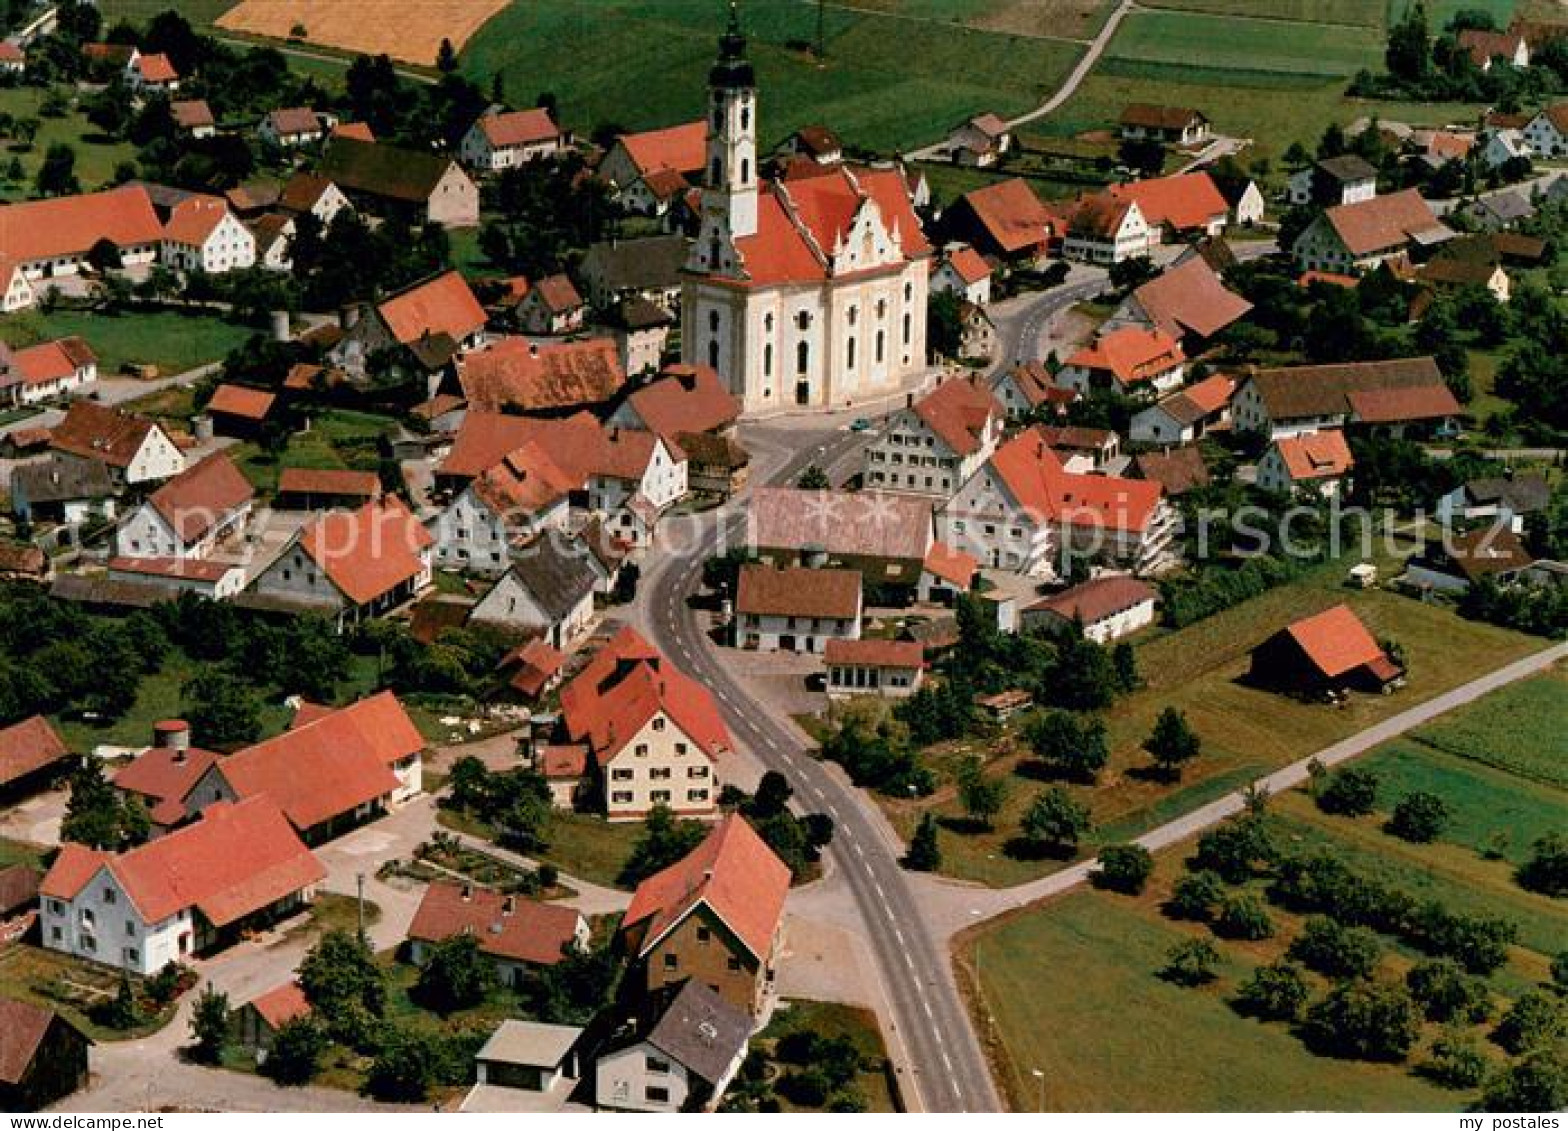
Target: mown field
{"x":1233,"y":43}
{"x":888,"y":81}
{"x":1191,"y":1049}
{"x":1356,"y":13}
{"x":1246,"y":731}
{"x":174,"y":342}
{"x":96,"y":155}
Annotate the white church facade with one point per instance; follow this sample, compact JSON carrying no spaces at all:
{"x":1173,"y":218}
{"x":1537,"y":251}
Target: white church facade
{"x":805,"y":290}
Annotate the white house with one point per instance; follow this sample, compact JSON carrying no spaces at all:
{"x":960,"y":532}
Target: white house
{"x":294,"y":126}
{"x":1131,"y":360}
{"x":202,"y":234}
{"x":133,"y":448}
{"x":1500,"y":146}
{"x":938,"y":442}
{"x":190,"y":514}
{"x":519,"y":497}
{"x":683,"y":1062}
{"x":1186,"y":415}
{"x":1350,"y":238}
{"x":1547,"y":132}
{"x":320,"y":196}
{"x":1105,"y":229}
{"x":964,"y":272}
{"x":1346,"y":179}
{"x":1106,"y":608}
{"x":548,"y":590}
{"x":151,"y":74}
{"x":1315,"y":462}
{"x":47,"y":370}
{"x":796,"y":609}
{"x":507,"y":139}
{"x":892,"y":669}
{"x":631,"y":463}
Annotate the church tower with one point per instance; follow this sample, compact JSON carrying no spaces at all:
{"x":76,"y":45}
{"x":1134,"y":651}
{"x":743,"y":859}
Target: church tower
{"x":730,"y":183}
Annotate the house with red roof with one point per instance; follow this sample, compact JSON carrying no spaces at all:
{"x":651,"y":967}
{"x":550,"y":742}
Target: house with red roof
{"x":1028,"y":386}
{"x":163,"y":776}
{"x":682,"y":398}
{"x":1186,"y":415}
{"x":47,"y":370}
{"x":151,"y":74}
{"x":31,"y":755}
{"x":1132,"y":361}
{"x":892,"y":669}
{"x":714,"y":917}
{"x":1174,"y":125}
{"x":516,"y":375}
{"x":329,"y":772}
{"x":1326,"y":654}
{"x":1104,"y":228}
{"x":650,"y":169}
{"x":505,"y":139}
{"x":1315,"y":462}
{"x":980,"y":142}
{"x":201,"y":234}
{"x":552,"y":306}
{"x":13,"y":59}
{"x":1004,"y":221}
{"x":53,"y":237}
{"x":290,"y":127}
{"x":1026,"y":513}
{"x":134,"y":449}
{"x":194,"y":117}
{"x":963,"y":272}
{"x":238,"y":410}
{"x":517,"y":934}
{"x":533,"y":669}
{"x":521,"y":496}
{"x":1188,"y":302}
{"x":1400,"y":396}
{"x":424,"y":326}
{"x":349,"y":565}
{"x":1352,"y":238}
{"x":190,"y":514}
{"x":934,"y":445}
{"x":1181,"y":207}
{"x":652,"y":735}
{"x":1104,"y":608}
{"x":796,"y":609}
{"x":945,"y":574}
{"x":241,"y":867}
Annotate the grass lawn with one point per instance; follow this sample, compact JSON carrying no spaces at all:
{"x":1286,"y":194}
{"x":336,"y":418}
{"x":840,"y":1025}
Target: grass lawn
{"x":650,"y":59}
{"x":172,"y":341}
{"x":96,"y":155}
{"x":1232,"y":42}
{"x":332,"y":912}
{"x":1246,"y":731}
{"x":20,"y":852}
{"x":1358,"y":13}
{"x":70,"y":986}
{"x":829,"y":1020}
{"x":338,"y":439}
{"x":581,"y":845}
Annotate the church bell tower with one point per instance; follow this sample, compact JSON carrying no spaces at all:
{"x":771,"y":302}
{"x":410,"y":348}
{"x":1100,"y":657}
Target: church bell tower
{"x":730,"y":182}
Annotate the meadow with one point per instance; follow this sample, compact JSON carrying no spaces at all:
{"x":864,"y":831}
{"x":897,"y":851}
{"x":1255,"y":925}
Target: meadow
{"x":1234,"y":43}
{"x":175,"y":342}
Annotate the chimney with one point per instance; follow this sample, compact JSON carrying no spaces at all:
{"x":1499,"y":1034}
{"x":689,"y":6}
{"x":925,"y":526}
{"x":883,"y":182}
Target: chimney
{"x":172,"y":734}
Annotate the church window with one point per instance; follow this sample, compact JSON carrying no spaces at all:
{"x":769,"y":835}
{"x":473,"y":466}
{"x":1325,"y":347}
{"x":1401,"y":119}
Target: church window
{"x":881,"y":345}
{"x":745,"y":117}
{"x":909,"y":292}
{"x":849,"y":362}
{"x":767,"y":360}
{"x":713,"y":321}
{"x":745,"y":171}
{"x":767,"y":323}
{"x":907,"y":327}
{"x":881,"y":308}
{"x":713,"y":354}
{"x":803,"y":320}
{"x":854,"y":313}
{"x":803,"y":357}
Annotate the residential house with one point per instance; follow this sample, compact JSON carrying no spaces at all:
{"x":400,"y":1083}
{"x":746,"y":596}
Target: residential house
{"x":13,"y":59}
{"x":43,"y":1057}
{"x":163,"y":775}
{"x":1547,"y":133}
{"x":1132,"y":361}
{"x":633,"y":477}
{"x":1452,"y":273}
{"x":1507,"y":500}
{"x":1188,"y":302}
{"x":980,"y":142}
{"x":1173,"y":125}
{"x":1486,"y":47}
{"x":419,"y":329}
{"x":650,"y":169}
{"x":1004,"y":221}
{"x":524,"y":494}
{"x":1315,"y":462}
{"x":977,"y":333}
{"x":485,"y":438}
{"x":193,"y":117}
{"x":47,"y":370}
{"x":1185,"y":206}
{"x":515,"y":375}
{"x":534,"y":669}
{"x":1243,"y":195}
{"x":151,"y":74}
{"x":349,"y":565}
{"x":309,"y":192}
{"x":1350,"y":238}
{"x":1186,"y":415}
{"x":641,"y":331}
{"x":1028,"y":387}
{"x":796,"y":609}
{"x":291,"y":127}
{"x":547,"y":590}
{"x":1455,"y":563}
{"x":1082,"y":448}
{"x":892,"y":669}
{"x":938,"y":442}
{"x":190,"y":514}
{"x":1177,"y":471}
{"x":647,"y":268}
{"x":32,"y":756}
{"x":816,"y":143}
{"x":195,"y":890}
{"x":60,"y":489}
{"x":1328,"y":653}
{"x":652,"y":734}
{"x":530,"y":1056}
{"x":383,"y":178}
{"x":1500,"y":145}
{"x":713,"y":919}
{"x":681,"y":1059}
{"x":518,"y":935}
{"x":1105,"y":229}
{"x":310,"y":489}
{"x":1500,"y":211}
{"x":885,"y":536}
{"x":963,"y":271}
{"x":1406,"y":395}
{"x":330,"y":771}
{"x":1334,"y":181}
{"x":1026,"y":513}
{"x":505,"y":139}
{"x":1104,"y":608}
{"x":946,"y":574}
{"x":255,"y":1024}
{"x":681,"y":399}
{"x":274,"y":233}
{"x":16,"y":292}
{"x":133,"y":448}
{"x":50,"y":238}
{"x":552,"y":306}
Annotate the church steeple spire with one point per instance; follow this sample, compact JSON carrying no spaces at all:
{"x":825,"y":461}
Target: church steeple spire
{"x":731,"y":181}
{"x":732,"y":69}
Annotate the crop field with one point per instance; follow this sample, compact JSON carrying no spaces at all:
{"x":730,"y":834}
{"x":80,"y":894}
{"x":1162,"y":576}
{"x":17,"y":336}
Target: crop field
{"x":1191,"y":39}
{"x":410,"y":32}
{"x":1521,"y":730}
{"x":888,"y":81}
{"x":1356,"y":13}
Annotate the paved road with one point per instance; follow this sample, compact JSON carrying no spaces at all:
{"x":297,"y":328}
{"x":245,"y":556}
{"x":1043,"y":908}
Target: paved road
{"x":931,"y":1024}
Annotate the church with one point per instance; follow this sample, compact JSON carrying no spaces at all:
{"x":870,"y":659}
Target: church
{"x":806,"y":289}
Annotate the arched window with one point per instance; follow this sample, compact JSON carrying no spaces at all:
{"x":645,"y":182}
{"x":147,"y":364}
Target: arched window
{"x":713,"y":253}
{"x":849,"y":355}
{"x":713,"y":321}
{"x":718,"y":117}
{"x":745,"y":171}
{"x":745,"y":117}
{"x":853,"y":314}
{"x":908,"y":323}
{"x":803,"y":358}
{"x":767,"y":360}
{"x":881,"y":345}
{"x":713,"y":354}
{"x":803,"y":320}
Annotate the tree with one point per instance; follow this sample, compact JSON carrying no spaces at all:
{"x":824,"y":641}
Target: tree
{"x":1364,"y":1021}
{"x":457,"y":975}
{"x":925,"y":854}
{"x":1054,"y":822}
{"x":1172,"y":744}
{"x":1236,"y":850}
{"x":1351,"y":792}
{"x":1243,"y":916}
{"x":1447,"y":993}
{"x":1455,"y":1061}
{"x":344,"y":985}
{"x":57,"y":174}
{"x":1125,"y":868}
{"x":1409,"y":53}
{"x":1069,"y":746}
{"x":1196,"y":896}
{"x":296,"y":1050}
{"x":664,"y":841}
{"x":210,"y":1025}
{"x":1547,"y":869}
{"x":446,"y":57}
{"x":982,"y":797}
{"x":1536,"y":1019}
{"x":944,"y":324}
{"x":100,"y":816}
{"x":1419,"y":817}
{"x":404,"y":1067}
{"x":1274,"y":993}
{"x":222,"y":708}
{"x":1537,"y":1082}
{"x":121,"y":1011}
{"x":1335,"y":950}
{"x":814,"y":479}
{"x":1144,"y":156}
{"x":1191,"y":962}
{"x":1124,"y":658}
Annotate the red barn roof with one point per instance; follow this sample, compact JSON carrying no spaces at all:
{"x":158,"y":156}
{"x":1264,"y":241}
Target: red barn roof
{"x":29,"y":746}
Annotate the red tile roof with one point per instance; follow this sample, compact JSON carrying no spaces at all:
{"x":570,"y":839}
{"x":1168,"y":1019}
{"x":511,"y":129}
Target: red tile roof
{"x":485,"y":438}
{"x":685,"y":398}
{"x":192,"y":113}
{"x":355,"y":131}
{"x":156,"y":68}
{"x":281,"y":1004}
{"x":522,"y":376}
{"x":765,"y":591}
{"x":524,"y":482}
{"x":95,"y":431}
{"x":534,"y":663}
{"x":193,"y":220}
{"x":952,"y":566}
{"x":52,"y":361}
{"x":291,"y":121}
{"x":505,"y":926}
{"x":733,"y":872}
{"x":29,"y":746}
{"x":1178,"y":471}
{"x":519,"y":127}
{"x":1097,"y":599}
{"x":329,"y":481}
{"x":23,"y":1027}
{"x":1131,"y":355}
{"x":563,"y":763}
{"x":1191,"y":299}
{"x":183,"y":569}
{"x":682,"y":149}
{"x":959,"y":411}
{"x":238,"y":859}
{"x":626,"y":683}
{"x":557,"y":293}
{"x":1011,"y":214}
{"x":1212,"y":393}
{"x":331,"y":766}
{"x":237,"y":400}
{"x":1336,"y":641}
{"x":1182,"y":202}
{"x":1386,"y":406}
{"x":443,"y":305}
{"x":1383,"y":222}
{"x":370,"y":551}
{"x":11,"y":53}
{"x":875,"y":653}
{"x":1316,"y":455}
{"x":201,"y":497}
{"x":164,"y":777}
{"x":1150,"y":116}
{"x":1349,"y":282}
{"x":1037,"y":480}
{"x":969,"y":264}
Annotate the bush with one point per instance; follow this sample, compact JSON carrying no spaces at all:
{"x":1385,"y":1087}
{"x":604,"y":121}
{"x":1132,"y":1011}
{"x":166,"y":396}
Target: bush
{"x":1335,"y":950}
{"x":1419,"y":818}
{"x":1364,"y":1021}
{"x":1352,"y":792}
{"x":455,"y":976}
{"x":1447,"y":993}
{"x":806,"y":1088}
{"x":1537,"y":1083}
{"x":1547,"y":869}
{"x":1196,"y":896}
{"x":296,"y":1051}
{"x":1274,"y":993}
{"x":404,"y":1067}
{"x":1190,"y":963}
{"x":925,"y":854}
{"x":1535,"y":1020}
{"x":1455,"y":1062}
{"x":1236,"y":851}
{"x":1243,"y":917}
{"x":1125,"y":868}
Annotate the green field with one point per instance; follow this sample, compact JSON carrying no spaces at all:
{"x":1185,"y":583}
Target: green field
{"x":1520,"y":730}
{"x":172,"y":341}
{"x":96,"y":155}
{"x":201,"y":13}
{"x":1191,"y":39}
{"x":338,"y":439}
{"x":1356,"y":13}
{"x":887,"y":81}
